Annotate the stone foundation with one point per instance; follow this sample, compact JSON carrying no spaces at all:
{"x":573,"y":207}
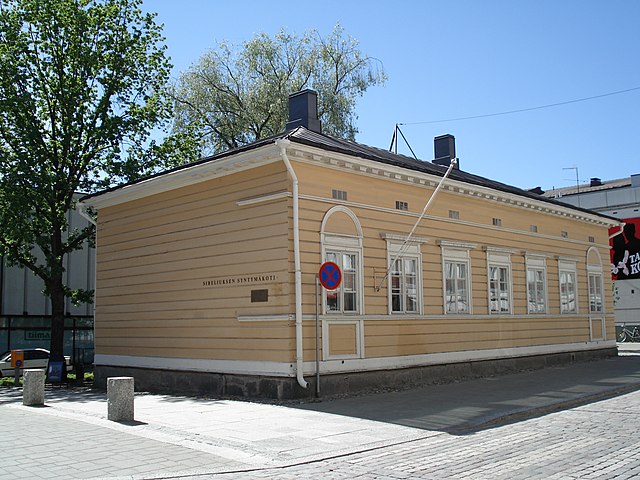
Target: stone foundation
{"x":217,"y":384}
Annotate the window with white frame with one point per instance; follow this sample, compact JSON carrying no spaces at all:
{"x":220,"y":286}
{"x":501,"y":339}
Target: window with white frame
{"x":456,"y":276}
{"x":499,"y":271}
{"x":595,"y":293}
{"x":404,"y":285}
{"x":405,"y":274}
{"x":594,"y":276}
{"x":567,"y":279}
{"x":536,"y":284}
{"x":341,"y":241}
{"x":344,"y":299}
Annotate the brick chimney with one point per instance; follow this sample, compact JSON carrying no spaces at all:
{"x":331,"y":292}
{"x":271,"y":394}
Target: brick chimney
{"x":303,"y":111}
{"x":444,"y":148}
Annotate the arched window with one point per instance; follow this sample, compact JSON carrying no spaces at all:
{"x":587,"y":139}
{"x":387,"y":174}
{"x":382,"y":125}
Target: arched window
{"x":341,"y":237}
{"x":594,"y":271}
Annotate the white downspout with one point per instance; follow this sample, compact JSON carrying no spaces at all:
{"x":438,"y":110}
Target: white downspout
{"x":283,"y":144}
{"x":81,"y":208}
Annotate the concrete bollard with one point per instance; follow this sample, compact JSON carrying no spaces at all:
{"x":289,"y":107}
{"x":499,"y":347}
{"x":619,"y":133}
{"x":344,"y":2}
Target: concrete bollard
{"x":33,"y":387}
{"x":120,"y":399}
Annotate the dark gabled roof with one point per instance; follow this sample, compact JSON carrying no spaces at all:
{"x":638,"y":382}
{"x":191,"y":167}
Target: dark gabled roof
{"x":327,"y":142}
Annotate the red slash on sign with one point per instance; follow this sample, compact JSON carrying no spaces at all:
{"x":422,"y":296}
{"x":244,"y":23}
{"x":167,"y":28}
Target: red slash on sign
{"x":330,"y":275}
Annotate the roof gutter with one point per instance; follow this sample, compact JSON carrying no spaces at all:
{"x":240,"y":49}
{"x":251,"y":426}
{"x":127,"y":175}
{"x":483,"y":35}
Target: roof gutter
{"x":282,"y":144}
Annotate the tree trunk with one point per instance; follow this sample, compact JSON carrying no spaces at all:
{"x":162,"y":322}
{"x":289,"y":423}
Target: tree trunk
{"x":57,"y":325}
{"x":57,"y":295}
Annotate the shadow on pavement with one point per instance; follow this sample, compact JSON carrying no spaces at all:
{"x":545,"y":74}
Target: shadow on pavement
{"x":473,"y":405}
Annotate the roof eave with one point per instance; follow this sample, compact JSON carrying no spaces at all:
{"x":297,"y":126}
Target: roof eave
{"x":190,"y":174}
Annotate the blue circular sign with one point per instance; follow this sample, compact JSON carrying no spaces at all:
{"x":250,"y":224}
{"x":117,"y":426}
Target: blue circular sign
{"x":330,"y":275}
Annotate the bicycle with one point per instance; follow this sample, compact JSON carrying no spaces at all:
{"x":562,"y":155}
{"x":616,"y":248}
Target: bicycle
{"x":627,"y":335}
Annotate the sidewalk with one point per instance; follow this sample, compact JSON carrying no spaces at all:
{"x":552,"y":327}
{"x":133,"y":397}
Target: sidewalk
{"x":181,"y":437}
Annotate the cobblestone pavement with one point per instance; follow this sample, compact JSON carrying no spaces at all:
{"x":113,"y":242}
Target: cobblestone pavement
{"x":448,"y":431}
{"x":597,"y":441}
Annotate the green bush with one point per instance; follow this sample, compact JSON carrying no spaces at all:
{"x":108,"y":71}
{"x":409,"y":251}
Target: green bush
{"x":10,"y":381}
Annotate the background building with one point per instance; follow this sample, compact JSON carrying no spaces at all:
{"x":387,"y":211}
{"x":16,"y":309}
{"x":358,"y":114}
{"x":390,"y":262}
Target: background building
{"x":25,"y":313}
{"x":621,"y":199}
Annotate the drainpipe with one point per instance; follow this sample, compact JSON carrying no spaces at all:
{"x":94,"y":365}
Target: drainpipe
{"x":282,"y":144}
{"x":81,"y":208}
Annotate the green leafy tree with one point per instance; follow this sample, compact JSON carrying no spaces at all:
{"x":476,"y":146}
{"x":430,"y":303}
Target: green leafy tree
{"x":81,"y":88}
{"x":233,"y":96}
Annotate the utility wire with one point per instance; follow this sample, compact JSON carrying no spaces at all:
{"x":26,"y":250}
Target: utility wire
{"x":524,"y":109}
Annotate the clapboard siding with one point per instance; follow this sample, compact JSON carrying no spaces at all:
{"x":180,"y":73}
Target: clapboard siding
{"x":161,"y":256}
{"x":372,"y":200}
{"x":172,"y":268}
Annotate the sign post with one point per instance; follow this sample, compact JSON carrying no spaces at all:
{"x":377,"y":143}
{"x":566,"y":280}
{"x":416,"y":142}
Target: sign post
{"x":317,"y":343}
{"x":330,"y":277}
{"x":17,"y":363}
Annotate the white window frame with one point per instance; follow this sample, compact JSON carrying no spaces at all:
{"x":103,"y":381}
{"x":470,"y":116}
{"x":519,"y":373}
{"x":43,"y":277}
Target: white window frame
{"x":595,"y":280}
{"x":410,"y":251}
{"x":536,"y":263}
{"x":568,"y":268}
{"x":459,"y":254}
{"x":341,"y":244}
{"x":499,"y":258}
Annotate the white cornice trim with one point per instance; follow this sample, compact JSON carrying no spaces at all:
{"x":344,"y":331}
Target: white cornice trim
{"x":187,"y":176}
{"x":284,"y":317}
{"x":263,"y":199}
{"x":340,"y":161}
{"x":567,"y":258}
{"x":492,"y":249}
{"x":528,"y":254}
{"x":308,"y":154}
{"x":402,"y":238}
{"x":448,"y":220}
{"x":454,"y":244}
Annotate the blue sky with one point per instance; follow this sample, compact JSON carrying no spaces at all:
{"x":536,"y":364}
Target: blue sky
{"x":451,"y":59}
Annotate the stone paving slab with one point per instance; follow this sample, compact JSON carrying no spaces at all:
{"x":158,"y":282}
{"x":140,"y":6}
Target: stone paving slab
{"x":173,"y":437}
{"x":52,"y":446}
{"x":254,"y":435}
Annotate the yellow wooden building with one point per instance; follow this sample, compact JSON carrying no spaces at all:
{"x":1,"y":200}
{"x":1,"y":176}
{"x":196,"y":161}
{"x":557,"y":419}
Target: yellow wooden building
{"x":206,"y":274}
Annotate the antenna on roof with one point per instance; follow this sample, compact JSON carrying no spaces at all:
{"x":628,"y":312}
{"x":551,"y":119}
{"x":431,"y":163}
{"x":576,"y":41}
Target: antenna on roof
{"x":577,"y":180}
{"x":394,"y":141}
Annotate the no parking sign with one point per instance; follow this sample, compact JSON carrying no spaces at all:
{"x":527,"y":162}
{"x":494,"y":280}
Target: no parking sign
{"x":330,"y":275}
